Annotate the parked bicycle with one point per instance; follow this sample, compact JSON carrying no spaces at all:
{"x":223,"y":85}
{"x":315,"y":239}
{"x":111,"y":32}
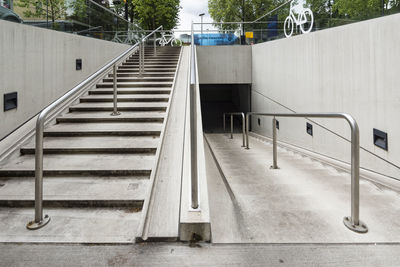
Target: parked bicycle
{"x":168,"y":39}
{"x":304,"y":19}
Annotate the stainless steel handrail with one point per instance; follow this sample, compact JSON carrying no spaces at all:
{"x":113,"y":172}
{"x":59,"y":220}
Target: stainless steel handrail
{"x":243,"y":124}
{"x":352,"y":222}
{"x":39,"y":220}
{"x":193,"y":126}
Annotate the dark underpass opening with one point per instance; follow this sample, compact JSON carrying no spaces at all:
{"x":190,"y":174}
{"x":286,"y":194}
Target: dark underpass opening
{"x":217,"y":99}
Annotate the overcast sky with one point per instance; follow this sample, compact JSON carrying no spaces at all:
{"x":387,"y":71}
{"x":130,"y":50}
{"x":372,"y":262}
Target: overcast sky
{"x":190,"y":12}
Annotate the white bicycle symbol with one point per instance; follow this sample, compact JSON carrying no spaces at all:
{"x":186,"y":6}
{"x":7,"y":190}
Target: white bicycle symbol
{"x":305,"y":18}
{"x":168,"y":39}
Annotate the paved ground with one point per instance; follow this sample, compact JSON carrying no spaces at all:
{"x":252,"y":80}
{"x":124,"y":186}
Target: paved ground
{"x":179,"y":254}
{"x":302,"y":202}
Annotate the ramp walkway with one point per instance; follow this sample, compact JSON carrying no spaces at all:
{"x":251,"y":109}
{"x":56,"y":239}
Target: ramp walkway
{"x":302,"y":202}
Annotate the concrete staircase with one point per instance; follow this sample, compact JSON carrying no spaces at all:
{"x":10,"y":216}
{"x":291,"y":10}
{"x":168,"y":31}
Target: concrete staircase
{"x":96,"y":166}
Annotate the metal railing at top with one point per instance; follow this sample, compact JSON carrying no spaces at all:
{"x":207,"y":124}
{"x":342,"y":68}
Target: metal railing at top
{"x":352,"y":222}
{"x":243,"y":124}
{"x":39,"y":220}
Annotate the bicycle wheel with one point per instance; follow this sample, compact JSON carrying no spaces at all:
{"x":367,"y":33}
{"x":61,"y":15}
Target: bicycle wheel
{"x":159,"y":42}
{"x":288,"y":26}
{"x":176,"y":42}
{"x":308,"y":17}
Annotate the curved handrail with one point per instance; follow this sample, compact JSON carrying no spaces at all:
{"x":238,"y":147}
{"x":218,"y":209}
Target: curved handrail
{"x":243,"y":124}
{"x":352,"y":222}
{"x":39,"y":221}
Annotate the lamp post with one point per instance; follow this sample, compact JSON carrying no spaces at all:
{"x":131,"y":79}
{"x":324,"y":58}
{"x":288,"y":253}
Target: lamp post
{"x":201,"y":16}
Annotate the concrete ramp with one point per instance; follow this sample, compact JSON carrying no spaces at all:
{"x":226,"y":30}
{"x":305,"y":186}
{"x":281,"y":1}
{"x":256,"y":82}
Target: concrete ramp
{"x":302,"y":202}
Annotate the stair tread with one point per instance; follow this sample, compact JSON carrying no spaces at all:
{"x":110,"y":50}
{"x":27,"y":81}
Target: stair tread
{"x":82,"y":162}
{"x":114,"y":127}
{"x":123,"y":104}
{"x":98,"y":142}
{"x":127,"y":96}
{"x":140,"y":83}
{"x":105,"y":114}
{"x":76,"y":188}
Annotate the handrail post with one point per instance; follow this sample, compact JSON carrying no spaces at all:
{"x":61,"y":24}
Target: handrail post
{"x":247,"y":130}
{"x":39,"y":221}
{"x":353,"y":222}
{"x":224,"y":122}
{"x":274,"y":145}
{"x":231,"y":126}
{"x":154,"y":44}
{"x":243,"y":129}
{"x":115,"y":97}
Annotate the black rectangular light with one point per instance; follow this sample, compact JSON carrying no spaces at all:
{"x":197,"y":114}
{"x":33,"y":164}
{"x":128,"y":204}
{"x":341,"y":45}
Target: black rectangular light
{"x":277,"y":124}
{"x":78,"y":64}
{"x":309,"y":129}
{"x":10,"y":101}
{"x":381,"y":139}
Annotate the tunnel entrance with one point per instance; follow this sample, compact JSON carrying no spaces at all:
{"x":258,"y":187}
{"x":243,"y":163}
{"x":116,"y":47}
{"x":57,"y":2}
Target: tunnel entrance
{"x":217,"y":99}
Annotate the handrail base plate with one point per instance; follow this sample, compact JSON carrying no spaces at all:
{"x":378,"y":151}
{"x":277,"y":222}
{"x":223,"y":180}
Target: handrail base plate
{"x":361,"y":228}
{"x":37,"y":225}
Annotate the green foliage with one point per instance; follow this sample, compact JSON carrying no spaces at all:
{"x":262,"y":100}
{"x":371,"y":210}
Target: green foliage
{"x":232,"y":10}
{"x":153,"y":13}
{"x":38,"y":9}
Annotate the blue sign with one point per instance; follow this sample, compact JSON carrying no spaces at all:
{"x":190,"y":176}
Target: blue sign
{"x":215,"y":39}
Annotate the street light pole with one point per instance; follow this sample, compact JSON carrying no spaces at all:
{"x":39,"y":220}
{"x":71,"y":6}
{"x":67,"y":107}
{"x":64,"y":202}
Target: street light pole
{"x":383,"y":7}
{"x":201,"y":16}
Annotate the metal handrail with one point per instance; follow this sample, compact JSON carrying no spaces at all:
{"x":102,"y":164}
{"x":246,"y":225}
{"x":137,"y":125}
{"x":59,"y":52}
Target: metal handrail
{"x":39,"y":220}
{"x":243,"y":124}
{"x":352,"y":222}
{"x":193,"y":126}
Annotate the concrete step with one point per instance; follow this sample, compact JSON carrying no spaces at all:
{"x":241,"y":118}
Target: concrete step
{"x":72,"y":225}
{"x":135,"y":106}
{"x":146,"y":70}
{"x":81,"y":165}
{"x":99,"y":142}
{"x":152,"y":60}
{"x":76,"y":192}
{"x":148,"y":66}
{"x":103,"y":129}
{"x":134,"y":84}
{"x":138,"y":79}
{"x":130,"y":91}
{"x":96,"y":117}
{"x":148,"y":74}
{"x":125,"y":98}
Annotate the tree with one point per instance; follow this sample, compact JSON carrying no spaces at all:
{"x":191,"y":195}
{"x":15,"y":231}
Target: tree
{"x":38,"y":9}
{"x":153,"y":13}
{"x":238,"y":10}
{"x":360,"y":9}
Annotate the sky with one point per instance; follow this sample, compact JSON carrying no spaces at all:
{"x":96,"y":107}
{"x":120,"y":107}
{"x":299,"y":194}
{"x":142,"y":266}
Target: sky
{"x":190,"y":12}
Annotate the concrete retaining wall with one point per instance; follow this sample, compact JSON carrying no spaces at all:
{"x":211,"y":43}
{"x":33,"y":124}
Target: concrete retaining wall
{"x":352,"y":69}
{"x":39,"y":64}
{"x":224,"y":64}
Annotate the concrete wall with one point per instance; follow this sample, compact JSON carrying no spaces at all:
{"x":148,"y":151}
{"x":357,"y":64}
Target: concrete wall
{"x":352,"y":69}
{"x":224,"y":64}
{"x":39,"y":64}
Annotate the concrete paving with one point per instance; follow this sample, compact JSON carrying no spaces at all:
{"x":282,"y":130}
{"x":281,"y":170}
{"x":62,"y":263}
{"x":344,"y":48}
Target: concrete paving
{"x":178,"y":254}
{"x":302,"y":202}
